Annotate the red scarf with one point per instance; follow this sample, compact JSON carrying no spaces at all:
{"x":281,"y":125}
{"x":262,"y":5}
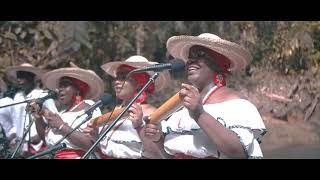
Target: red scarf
{"x":141,"y":79}
{"x":83,"y":88}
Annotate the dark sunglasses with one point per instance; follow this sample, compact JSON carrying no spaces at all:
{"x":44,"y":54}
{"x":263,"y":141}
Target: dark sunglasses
{"x":121,"y":76}
{"x":198,"y":53}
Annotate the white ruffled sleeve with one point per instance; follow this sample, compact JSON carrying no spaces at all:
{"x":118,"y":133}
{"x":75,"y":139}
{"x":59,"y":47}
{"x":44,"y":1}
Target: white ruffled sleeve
{"x":243,"y":118}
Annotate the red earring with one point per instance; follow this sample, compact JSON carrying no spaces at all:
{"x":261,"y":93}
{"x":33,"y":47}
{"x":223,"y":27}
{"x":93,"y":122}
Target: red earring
{"x":142,"y":98}
{"x":219,"y":79}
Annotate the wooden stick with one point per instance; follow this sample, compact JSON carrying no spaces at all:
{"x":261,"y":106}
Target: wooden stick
{"x":166,"y":109}
{"x":105,"y":117}
{"x":312,"y":107}
{"x":170,"y":106}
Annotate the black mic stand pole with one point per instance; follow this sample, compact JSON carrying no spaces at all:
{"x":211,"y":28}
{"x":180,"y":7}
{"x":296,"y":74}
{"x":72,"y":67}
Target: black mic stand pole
{"x":89,"y":116}
{"x":151,"y":79}
{"x":22,"y":140}
{"x":49,"y":151}
{"x":37,"y":100}
{"x":13,"y":104}
{"x":64,"y":137}
{"x":29,"y":125}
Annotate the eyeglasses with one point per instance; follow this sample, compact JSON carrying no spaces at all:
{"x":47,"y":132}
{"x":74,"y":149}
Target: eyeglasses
{"x":122,"y":76}
{"x":198,"y":53}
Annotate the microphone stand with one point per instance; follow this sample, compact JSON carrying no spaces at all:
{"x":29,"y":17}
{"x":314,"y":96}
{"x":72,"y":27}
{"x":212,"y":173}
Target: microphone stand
{"x":22,"y":140}
{"x":49,"y":151}
{"x":29,"y":125}
{"x":13,"y":104}
{"x":151,"y":79}
{"x":57,"y":144}
{"x":37,"y":100}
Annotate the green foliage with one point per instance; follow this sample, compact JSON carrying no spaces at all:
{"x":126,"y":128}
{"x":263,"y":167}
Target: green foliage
{"x":291,"y":47}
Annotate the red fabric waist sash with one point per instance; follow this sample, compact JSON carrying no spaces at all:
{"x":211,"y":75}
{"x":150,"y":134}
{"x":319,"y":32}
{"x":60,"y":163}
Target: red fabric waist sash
{"x":69,"y":154}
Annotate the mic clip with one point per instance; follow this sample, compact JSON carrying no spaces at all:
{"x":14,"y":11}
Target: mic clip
{"x":33,"y":107}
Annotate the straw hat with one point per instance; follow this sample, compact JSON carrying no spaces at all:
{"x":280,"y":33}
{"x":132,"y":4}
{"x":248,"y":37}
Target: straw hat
{"x":3,"y":86}
{"x":138,"y":62}
{"x":178,"y":47}
{"x":96,"y":86}
{"x":12,"y":70}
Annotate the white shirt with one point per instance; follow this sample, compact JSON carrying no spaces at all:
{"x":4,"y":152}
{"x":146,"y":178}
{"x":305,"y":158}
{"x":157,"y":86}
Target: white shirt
{"x":122,"y":141}
{"x":22,"y":119}
{"x":6,"y":117}
{"x":70,"y":118}
{"x":238,"y":115}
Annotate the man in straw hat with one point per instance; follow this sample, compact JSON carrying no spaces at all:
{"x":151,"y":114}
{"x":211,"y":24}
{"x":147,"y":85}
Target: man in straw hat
{"x":25,"y":76}
{"x":7,"y":126}
{"x":77,"y":90}
{"x":124,"y":140}
{"x":216,"y":122}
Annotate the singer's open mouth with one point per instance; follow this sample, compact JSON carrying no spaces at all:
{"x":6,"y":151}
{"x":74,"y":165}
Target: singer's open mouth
{"x":62,"y":96}
{"x":117,"y":88}
{"x":192,"y":69}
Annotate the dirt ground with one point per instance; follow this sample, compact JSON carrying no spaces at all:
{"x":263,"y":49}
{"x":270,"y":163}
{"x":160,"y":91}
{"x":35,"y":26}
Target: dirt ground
{"x":290,"y":106}
{"x":290,"y":140}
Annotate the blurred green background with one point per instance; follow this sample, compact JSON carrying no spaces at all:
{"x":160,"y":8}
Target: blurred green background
{"x":283,"y":80}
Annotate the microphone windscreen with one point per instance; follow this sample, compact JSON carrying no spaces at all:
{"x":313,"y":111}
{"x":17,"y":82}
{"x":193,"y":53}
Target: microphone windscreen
{"x":177,"y":65}
{"x":106,"y":99}
{"x":53,"y":94}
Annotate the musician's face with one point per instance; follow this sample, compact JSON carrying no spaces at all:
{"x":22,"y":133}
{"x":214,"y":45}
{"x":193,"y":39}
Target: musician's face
{"x":198,"y":71}
{"x":129,"y":86}
{"x":25,"y":80}
{"x":66,"y":91}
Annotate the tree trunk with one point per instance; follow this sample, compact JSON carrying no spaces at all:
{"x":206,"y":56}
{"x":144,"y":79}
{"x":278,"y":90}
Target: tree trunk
{"x":139,"y":38}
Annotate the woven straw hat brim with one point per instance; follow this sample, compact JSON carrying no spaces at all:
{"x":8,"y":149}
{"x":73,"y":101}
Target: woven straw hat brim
{"x":96,"y":86}
{"x":178,"y":47}
{"x":12,"y":71}
{"x":161,"y":82}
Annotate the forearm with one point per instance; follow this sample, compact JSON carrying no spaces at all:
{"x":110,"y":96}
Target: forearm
{"x":159,"y":146}
{"x":41,"y":127}
{"x":77,"y":138}
{"x":226,"y":140}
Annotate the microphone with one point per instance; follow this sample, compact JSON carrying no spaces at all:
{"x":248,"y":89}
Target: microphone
{"x":49,"y":151}
{"x":104,"y":100}
{"x":35,"y":105}
{"x":174,"y":65}
{"x":51,"y":95}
